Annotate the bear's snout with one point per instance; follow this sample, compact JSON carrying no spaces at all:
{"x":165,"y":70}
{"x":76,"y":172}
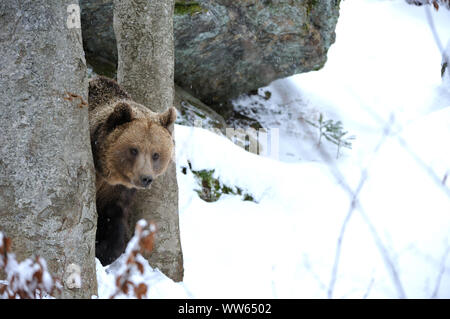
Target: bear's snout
{"x":146,"y":180}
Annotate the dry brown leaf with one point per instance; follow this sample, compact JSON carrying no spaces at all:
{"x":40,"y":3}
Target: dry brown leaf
{"x":140,"y":290}
{"x":436,"y":5}
{"x":140,"y":267}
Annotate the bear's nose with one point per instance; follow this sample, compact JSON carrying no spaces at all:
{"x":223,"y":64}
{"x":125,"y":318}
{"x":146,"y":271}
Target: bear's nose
{"x":146,"y":180}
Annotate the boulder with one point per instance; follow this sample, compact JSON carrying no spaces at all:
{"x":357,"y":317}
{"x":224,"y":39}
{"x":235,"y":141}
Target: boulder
{"x":224,"y":48}
{"x":193,"y":112}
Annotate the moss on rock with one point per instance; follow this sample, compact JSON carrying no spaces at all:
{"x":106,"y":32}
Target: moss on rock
{"x":212,"y":188}
{"x":187,"y":7}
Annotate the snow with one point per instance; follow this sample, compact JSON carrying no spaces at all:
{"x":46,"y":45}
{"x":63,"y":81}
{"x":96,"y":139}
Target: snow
{"x":284,"y":245}
{"x":131,"y":270}
{"x":307,"y":235}
{"x":159,"y":286}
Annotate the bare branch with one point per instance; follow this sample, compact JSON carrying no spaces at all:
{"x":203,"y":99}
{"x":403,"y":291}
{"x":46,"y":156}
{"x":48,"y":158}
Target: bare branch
{"x":341,"y":235}
{"x":385,"y":254}
{"x":386,"y":132}
{"x":441,"y":273}
{"x":369,"y":288}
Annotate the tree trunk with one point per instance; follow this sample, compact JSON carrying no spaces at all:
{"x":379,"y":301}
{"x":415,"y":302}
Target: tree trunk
{"x":47,"y":192}
{"x":144,"y":33}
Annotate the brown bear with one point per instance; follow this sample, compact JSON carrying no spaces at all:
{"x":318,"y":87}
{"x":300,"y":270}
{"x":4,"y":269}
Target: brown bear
{"x":131,"y":146}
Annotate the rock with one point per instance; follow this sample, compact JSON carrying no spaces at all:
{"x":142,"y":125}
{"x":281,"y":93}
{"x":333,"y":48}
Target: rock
{"x":193,"y":112}
{"x":99,"y":41}
{"x":224,"y":48}
{"x":233,"y":47}
{"x":47,"y":191}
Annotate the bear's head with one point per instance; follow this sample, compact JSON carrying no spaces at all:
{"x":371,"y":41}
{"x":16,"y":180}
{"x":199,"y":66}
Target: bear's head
{"x":135,"y":150}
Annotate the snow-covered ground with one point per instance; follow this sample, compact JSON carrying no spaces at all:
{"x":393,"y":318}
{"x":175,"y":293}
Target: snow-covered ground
{"x":374,"y":223}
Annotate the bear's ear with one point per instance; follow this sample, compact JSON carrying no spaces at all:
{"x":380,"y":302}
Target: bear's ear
{"x":167,"y":119}
{"x":120,"y":115}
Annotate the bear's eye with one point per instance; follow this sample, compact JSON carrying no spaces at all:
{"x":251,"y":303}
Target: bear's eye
{"x":155,"y":156}
{"x":134,"y":151}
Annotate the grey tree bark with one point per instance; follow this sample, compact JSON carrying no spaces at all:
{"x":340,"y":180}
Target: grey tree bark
{"x":144,"y":34}
{"x":47,"y":191}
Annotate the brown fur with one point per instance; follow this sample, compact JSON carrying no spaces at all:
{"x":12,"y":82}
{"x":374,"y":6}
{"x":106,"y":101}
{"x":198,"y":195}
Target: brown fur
{"x":131,"y":146}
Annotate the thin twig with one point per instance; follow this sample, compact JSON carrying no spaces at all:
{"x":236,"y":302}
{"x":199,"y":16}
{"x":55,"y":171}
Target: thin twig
{"x":369,"y":288}
{"x":364,"y":174}
{"x":385,"y":254}
{"x":441,"y":273}
{"x":341,"y":236}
